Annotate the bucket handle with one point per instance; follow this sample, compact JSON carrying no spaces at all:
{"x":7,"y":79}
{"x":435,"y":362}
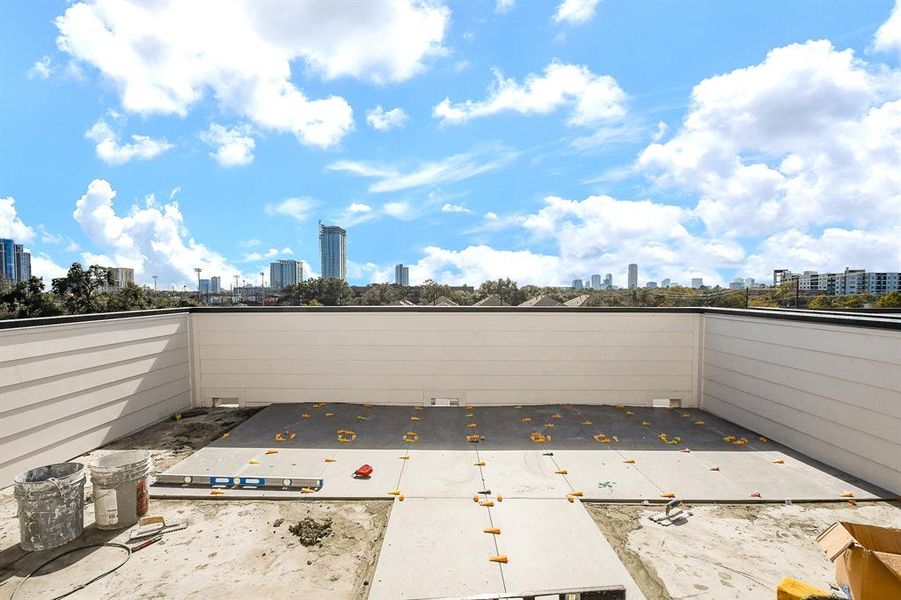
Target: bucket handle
{"x":59,"y":488}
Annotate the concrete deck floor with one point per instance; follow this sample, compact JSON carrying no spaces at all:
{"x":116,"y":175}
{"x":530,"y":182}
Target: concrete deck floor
{"x":595,"y":452}
{"x":734,"y":551}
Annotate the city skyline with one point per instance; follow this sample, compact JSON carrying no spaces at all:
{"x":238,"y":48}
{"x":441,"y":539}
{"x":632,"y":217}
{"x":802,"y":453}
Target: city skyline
{"x":449,"y":155}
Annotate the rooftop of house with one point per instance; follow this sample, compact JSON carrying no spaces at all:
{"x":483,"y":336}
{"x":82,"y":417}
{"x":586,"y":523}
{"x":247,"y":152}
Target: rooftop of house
{"x":566,"y":431}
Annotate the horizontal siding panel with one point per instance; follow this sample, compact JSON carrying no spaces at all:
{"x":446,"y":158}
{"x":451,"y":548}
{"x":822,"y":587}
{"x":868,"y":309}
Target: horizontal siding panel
{"x":869,"y":344}
{"x":262,"y":397}
{"x":143,"y":389}
{"x":15,"y":397}
{"x":467,"y":382}
{"x":817,"y":448}
{"x":18,"y":344}
{"x":415,"y":322}
{"x":858,"y":370}
{"x":80,"y":442}
{"x":868,"y":434}
{"x":405,"y":368}
{"x":60,"y":430}
{"x":27,"y":370}
{"x":457,"y":338}
{"x":786,"y":380}
{"x":482,"y":353}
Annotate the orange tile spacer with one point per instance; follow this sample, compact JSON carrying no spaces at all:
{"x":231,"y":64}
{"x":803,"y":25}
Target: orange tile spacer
{"x":279,"y":437}
{"x":668,"y":495}
{"x":329,"y":460}
{"x":486,"y":503}
{"x":493,"y":530}
{"x":401,"y":497}
{"x":561,"y":471}
{"x":475,"y":498}
{"x":500,"y":498}
{"x":629,"y":461}
{"x":306,"y":490}
{"x":271,"y":451}
{"x":570,"y":498}
{"x":577,"y":494}
{"x":217,"y":492}
{"x":502,"y":558}
{"x":480,"y":463}
{"x":846,"y":495}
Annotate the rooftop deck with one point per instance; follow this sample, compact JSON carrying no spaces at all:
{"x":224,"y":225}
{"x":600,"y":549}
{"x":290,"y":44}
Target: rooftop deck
{"x":771,"y":407}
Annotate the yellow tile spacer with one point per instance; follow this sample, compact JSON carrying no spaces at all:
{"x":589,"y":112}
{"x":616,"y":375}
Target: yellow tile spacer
{"x":329,"y":414}
{"x":217,"y":492}
{"x":699,"y":422}
{"x":501,"y":558}
{"x":526,"y":419}
{"x":414,"y":418}
{"x":306,"y":416}
{"x":407,"y":457}
{"x":629,"y":412}
{"x":472,"y":425}
{"x":480,"y":463}
{"x":394,"y":493}
{"x":271,"y":451}
{"x":486,"y":503}
{"x":577,"y":494}
{"x":629,"y":461}
{"x":253,"y":461}
{"x":330,"y":460}
{"x":493,"y":530}
{"x":561,"y":472}
{"x":586,"y":422}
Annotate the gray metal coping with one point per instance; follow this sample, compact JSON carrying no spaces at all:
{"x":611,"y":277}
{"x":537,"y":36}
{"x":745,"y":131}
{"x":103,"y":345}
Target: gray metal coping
{"x":887,"y":319}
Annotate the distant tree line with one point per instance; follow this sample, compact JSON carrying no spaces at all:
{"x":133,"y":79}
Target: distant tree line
{"x":91,"y":290}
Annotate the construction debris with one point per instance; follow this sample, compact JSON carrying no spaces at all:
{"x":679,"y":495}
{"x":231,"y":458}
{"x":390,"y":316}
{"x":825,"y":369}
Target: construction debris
{"x":311,"y":532}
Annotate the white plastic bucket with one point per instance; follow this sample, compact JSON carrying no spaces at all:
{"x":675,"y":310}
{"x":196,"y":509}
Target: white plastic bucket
{"x":51,"y":505}
{"x":120,"y":483}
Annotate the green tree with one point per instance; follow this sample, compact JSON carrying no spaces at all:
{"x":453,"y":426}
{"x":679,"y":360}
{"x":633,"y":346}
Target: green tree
{"x":324,"y":292}
{"x":890,"y":300}
{"x":129,"y":297}
{"x":820,"y":302}
{"x":853,"y":301}
{"x":507,"y":289}
{"x":28,"y":299}
{"x":432,"y":290}
{"x":381,"y":294}
{"x":80,"y":288}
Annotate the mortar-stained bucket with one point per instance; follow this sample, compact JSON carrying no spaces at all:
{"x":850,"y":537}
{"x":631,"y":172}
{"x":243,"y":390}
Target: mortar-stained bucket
{"x":120,"y":481}
{"x":51,"y":505}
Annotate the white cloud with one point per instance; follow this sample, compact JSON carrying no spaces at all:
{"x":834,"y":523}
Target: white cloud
{"x":662,"y":128}
{"x":153,"y":240}
{"x":592,"y":99}
{"x":298,"y":209}
{"x":11,"y":226}
{"x":455,"y":208}
{"x":252,"y":243}
{"x":234,"y":145}
{"x":402,"y":210}
{"x":383,"y":120}
{"x":42,"y":68}
{"x":271,"y":253}
{"x":453,"y":168}
{"x":475,"y":264}
{"x":575,"y":12}
{"x":809,"y":137}
{"x":110,"y":151}
{"x":888,"y":36}
{"x":503,"y":6}
{"x":354,"y":214}
{"x":42,"y":265}
{"x":359,"y":207}
{"x":165,"y":58}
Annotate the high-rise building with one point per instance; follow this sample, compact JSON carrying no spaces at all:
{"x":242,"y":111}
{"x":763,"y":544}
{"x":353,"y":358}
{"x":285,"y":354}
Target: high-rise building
{"x":608,"y":280}
{"x":633,"y":276}
{"x":15,"y":263}
{"x":651,"y":285}
{"x":401,"y":274}
{"x":577,"y":284}
{"x":595,"y":282}
{"x":204,"y":286}
{"x":696,"y":282}
{"x":215,"y":284}
{"x":664,"y":283}
{"x":737,"y":284}
{"x":23,"y":263}
{"x":283,"y":273}
{"x":121,"y":276}
{"x":332,"y":251}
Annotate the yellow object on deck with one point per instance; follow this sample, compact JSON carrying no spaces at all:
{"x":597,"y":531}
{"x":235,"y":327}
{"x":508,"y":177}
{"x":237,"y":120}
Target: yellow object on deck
{"x":792,"y":589}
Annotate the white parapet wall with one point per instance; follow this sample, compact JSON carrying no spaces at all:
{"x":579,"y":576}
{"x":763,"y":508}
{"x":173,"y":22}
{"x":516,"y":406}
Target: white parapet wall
{"x":477,"y":356}
{"x":832,"y":392}
{"x":68,"y":388}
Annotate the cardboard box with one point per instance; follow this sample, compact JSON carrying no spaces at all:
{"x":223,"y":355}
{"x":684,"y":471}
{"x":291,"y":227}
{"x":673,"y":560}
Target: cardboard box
{"x":867,"y":559}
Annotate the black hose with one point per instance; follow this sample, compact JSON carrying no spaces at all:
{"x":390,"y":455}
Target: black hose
{"x":83,"y":585}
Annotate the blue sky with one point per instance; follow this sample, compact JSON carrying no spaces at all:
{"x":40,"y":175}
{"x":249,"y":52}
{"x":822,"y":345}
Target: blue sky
{"x":538,"y":140}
